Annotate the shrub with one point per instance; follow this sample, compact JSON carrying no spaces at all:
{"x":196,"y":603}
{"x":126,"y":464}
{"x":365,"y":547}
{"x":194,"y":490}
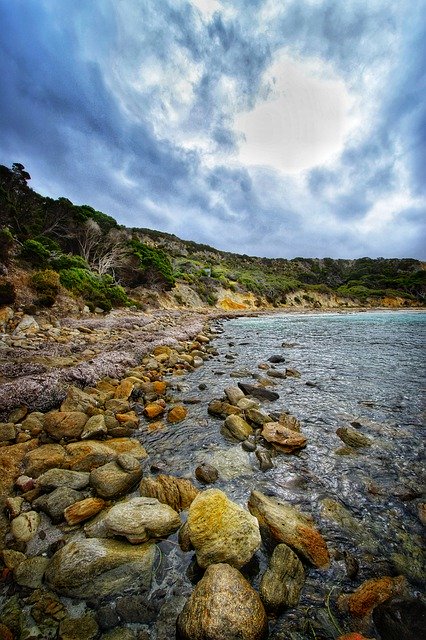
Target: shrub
{"x":68,"y":261}
{"x":154,"y":263}
{"x":7,"y":292}
{"x":6,"y":244}
{"x":35,"y":253}
{"x":96,"y":291}
{"x":46,"y":283}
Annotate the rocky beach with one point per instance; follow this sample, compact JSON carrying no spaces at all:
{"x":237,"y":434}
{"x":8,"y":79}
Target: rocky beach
{"x":92,"y":515}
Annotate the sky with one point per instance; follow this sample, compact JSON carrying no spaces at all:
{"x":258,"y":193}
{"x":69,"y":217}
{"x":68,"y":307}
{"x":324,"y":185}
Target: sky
{"x":276,"y":128}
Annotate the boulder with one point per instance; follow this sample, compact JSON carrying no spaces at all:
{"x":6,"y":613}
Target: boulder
{"x":222,"y":409}
{"x":87,"y":455}
{"x":234,"y":394}
{"x":124,"y":390}
{"x":221,"y":531}
{"x":289,"y":422}
{"x":24,"y":527}
{"x":153,"y":410}
{"x":178,"y":493}
{"x":258,"y":392}
{"x":111,"y":480}
{"x":206,"y":473}
{"x":276,"y":359}
{"x":78,"y":400}
{"x":93,"y":568}
{"x":83,"y":510}
{"x":54,"y":478}
{"x":84,"y":628}
{"x":353,"y":438}
{"x":95,"y":427}
{"x":54,"y":504}
{"x":30,"y":572}
{"x":177,"y":414}
{"x":223,"y":606}
{"x":284,"y":523}
{"x":48,"y":456}
{"x":283,"y":439}
{"x":66,"y":425}
{"x":137,"y":519}
{"x":283,"y":580}
{"x":370,"y":594}
{"x":257,"y":416}
{"x":236,"y":427}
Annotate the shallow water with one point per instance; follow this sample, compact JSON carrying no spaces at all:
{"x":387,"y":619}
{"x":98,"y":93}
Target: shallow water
{"x":364,"y":370}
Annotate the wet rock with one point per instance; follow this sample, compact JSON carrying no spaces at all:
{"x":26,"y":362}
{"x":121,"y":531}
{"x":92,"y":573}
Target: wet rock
{"x":283,"y":439}
{"x":111,"y":480}
{"x":48,"y":456}
{"x":352,"y":636}
{"x":93,"y":568}
{"x":206,"y":473}
{"x":137,"y":519}
{"x":421,"y":511}
{"x":46,"y":607}
{"x":223,"y":606}
{"x":24,"y":527}
{"x":370,"y":594}
{"x":401,"y":619}
{"x":124,"y":633}
{"x":234,"y":394}
{"x":247,"y":403}
{"x":221,"y":531}
{"x":129,"y":419}
{"x":78,"y":400}
{"x":265,"y":460}
{"x":257,"y":416}
{"x":285,"y":523}
{"x":232,"y":463}
{"x":84,"y":628}
{"x":249,"y":444}
{"x":177,"y":414}
{"x":178,"y":493}
{"x":353,"y":438}
{"x":236,"y":427}
{"x":292,"y":373}
{"x":54,"y":504}
{"x":95,"y":427}
{"x":258,"y":392}
{"x":54,"y":478}
{"x":83,"y":510}
{"x":135,"y":609}
{"x":222,"y":409}
{"x":283,"y":580}
{"x":351,"y":564}
{"x":276,"y":359}
{"x":90,"y":454}
{"x":30,"y":572}
{"x":289,"y":422}
{"x":153,"y":410}
{"x":273,"y":373}
{"x":64,"y":424}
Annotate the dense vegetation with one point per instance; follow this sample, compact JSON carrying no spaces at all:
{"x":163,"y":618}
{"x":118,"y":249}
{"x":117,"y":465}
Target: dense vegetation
{"x":86,"y":251}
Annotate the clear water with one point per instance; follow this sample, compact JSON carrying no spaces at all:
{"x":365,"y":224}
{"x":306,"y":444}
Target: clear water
{"x":364,"y":370}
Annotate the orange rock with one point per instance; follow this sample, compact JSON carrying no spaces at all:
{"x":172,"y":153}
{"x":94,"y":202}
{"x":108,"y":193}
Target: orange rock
{"x":156,"y":426}
{"x":159,"y":387}
{"x":282,"y":438}
{"x":83,"y":510}
{"x":124,"y":389}
{"x":130,"y":418}
{"x":352,"y":636}
{"x":372,"y":593}
{"x":153,"y":410}
{"x":177,"y":414}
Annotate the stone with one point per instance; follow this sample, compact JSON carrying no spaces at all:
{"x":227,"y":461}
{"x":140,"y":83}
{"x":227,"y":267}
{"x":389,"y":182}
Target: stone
{"x":48,"y":456}
{"x":13,"y":506}
{"x":153,"y":410}
{"x":28,"y":324}
{"x":249,"y":444}
{"x":116,"y":405}
{"x":178,"y":493}
{"x":24,"y":527}
{"x":236,"y":427}
{"x":370,"y":594}
{"x":89,"y":454}
{"x":265,"y":460}
{"x":257,"y":416}
{"x":221,"y":531}
{"x":12,"y":558}
{"x":274,"y":373}
{"x":7,"y":431}
{"x":234,"y":394}
{"x":289,"y":422}
{"x":223,"y":606}
{"x":129,"y":419}
{"x":33,"y":424}
{"x":247,"y":403}
{"x":54,"y":504}
{"x":78,"y":400}
{"x":283,"y":439}
{"x":276,"y":359}
{"x":353,"y":438}
{"x":135,"y":609}
{"x":292,"y":373}
{"x":94,"y":568}
{"x":95,"y":427}
{"x":283,"y":580}
{"x":111,"y":480}
{"x":206,"y":473}
{"x":66,"y":425}
{"x":30,"y":572}
{"x":83,"y":510}
{"x":177,"y":414}
{"x":352,"y":636}
{"x":84,"y":628}
{"x":258,"y":392}
{"x":222,"y":409}
{"x":137,"y":519}
{"x":401,"y":619}
{"x":124,"y":389}
{"x":54,"y":478}
{"x":25,"y":483}
{"x":284,"y":523}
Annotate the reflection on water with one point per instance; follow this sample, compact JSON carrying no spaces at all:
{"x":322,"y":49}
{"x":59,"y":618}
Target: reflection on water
{"x":360,"y":370}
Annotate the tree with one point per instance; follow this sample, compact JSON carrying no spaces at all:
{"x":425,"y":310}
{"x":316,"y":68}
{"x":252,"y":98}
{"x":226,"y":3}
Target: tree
{"x":104,"y":253}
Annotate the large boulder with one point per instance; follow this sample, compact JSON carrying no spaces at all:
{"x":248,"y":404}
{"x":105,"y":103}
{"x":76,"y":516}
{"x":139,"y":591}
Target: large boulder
{"x":178,"y":493}
{"x":111,"y":480}
{"x":284,"y":523}
{"x":66,"y":425}
{"x":93,"y":568}
{"x":78,"y":400}
{"x":223,"y":606}
{"x":283,"y":439}
{"x":283,"y":580}
{"x":48,"y":456}
{"x":87,"y":455}
{"x":221,"y":531}
{"x":54,"y":478}
{"x":236,"y":427}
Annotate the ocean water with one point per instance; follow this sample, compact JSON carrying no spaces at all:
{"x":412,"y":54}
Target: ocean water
{"x":360,"y":370}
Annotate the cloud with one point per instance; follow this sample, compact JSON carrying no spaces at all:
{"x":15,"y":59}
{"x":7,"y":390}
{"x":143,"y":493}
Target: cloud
{"x":140,"y":109}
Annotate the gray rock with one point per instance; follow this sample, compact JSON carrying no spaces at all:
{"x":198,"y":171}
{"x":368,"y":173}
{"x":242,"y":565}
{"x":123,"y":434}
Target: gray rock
{"x":234,"y":394}
{"x":55,"y":503}
{"x":265,"y":460}
{"x":283,"y":580}
{"x":111,"y":480}
{"x":30,"y":572}
{"x":54,"y":478}
{"x":95,"y":427}
{"x":24,"y":526}
{"x":258,"y":392}
{"x":94,"y":568}
{"x":353,"y":438}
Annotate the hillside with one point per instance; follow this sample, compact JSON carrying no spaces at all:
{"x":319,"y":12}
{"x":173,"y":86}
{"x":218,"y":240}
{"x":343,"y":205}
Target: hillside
{"x":57,"y":254}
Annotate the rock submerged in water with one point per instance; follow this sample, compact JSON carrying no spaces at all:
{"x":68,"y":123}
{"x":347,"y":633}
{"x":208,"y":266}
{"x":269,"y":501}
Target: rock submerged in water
{"x":206,"y":473}
{"x":221,"y":531}
{"x":258,"y":392}
{"x":370,"y":594}
{"x":283,"y":580}
{"x":353,"y":438}
{"x":283,"y":439}
{"x":94,"y":568}
{"x":223,"y":606}
{"x":284,"y":523}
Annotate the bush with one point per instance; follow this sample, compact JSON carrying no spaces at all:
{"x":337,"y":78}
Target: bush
{"x":7,"y":292}
{"x":35,"y":253}
{"x":46,"y":283}
{"x":68,"y":261}
{"x":6,"y":244}
{"x":154,"y":264}
{"x":96,"y":291}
